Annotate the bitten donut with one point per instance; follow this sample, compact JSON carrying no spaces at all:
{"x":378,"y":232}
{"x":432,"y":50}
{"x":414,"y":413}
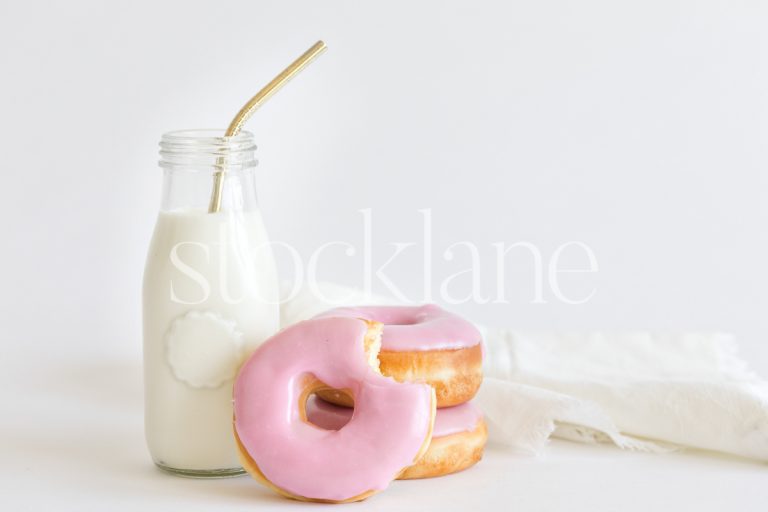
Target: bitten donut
{"x":457,"y":443}
{"x":423,"y":344}
{"x":390,"y":429}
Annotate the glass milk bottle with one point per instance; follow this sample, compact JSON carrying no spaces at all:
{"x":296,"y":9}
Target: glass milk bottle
{"x":210,"y":298}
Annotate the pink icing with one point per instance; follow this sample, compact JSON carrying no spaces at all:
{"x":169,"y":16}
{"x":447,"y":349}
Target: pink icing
{"x":415,"y":328}
{"x":449,"y":420}
{"x":459,"y":418}
{"x":391,"y":420}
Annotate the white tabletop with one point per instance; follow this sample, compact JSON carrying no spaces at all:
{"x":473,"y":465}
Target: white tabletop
{"x":72,"y":439}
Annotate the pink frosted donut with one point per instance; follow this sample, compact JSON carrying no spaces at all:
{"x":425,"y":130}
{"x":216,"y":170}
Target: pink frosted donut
{"x":457,"y":443}
{"x":423,"y":343}
{"x":389,"y":430}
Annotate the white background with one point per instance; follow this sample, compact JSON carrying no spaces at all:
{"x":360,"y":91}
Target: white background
{"x":638,"y":128}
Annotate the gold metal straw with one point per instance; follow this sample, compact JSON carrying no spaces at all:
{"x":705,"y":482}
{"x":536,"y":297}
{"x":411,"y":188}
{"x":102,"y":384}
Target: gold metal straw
{"x":253,"y":104}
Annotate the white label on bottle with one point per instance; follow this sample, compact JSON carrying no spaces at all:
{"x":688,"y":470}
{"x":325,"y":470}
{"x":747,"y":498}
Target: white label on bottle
{"x":203,"y":349}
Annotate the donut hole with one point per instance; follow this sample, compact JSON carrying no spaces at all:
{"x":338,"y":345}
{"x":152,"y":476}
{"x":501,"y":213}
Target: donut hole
{"x":325,"y":415}
{"x":402,"y":318}
{"x":406,"y":322}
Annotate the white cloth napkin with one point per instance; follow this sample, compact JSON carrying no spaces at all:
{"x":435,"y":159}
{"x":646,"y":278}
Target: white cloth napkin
{"x":639,"y":390}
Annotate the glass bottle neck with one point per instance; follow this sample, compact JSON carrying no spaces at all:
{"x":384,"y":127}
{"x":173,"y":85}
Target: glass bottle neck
{"x":189,"y":190}
{"x":190,"y":159}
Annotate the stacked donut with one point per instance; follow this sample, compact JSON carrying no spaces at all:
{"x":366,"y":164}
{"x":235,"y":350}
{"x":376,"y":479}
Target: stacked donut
{"x":427,"y":344}
{"x":334,"y":408}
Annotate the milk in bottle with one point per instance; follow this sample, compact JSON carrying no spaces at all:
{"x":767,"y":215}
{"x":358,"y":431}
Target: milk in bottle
{"x":210,"y":298}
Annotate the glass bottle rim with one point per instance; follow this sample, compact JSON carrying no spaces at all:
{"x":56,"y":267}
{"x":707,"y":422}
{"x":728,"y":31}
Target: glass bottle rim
{"x":206,"y":150}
